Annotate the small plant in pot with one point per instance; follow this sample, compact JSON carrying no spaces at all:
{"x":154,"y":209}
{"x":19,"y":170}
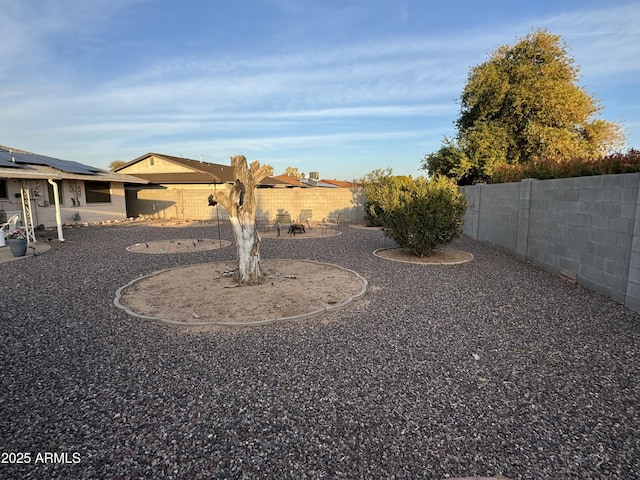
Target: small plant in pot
{"x":17,"y":242}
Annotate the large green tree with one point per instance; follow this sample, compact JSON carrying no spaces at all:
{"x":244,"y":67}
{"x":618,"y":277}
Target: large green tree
{"x":521,"y":104}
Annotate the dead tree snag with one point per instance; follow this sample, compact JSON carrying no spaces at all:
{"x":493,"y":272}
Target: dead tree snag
{"x":240,"y":203}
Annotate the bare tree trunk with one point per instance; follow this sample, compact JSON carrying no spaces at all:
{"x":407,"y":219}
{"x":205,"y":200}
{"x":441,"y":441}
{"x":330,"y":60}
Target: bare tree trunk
{"x":240,"y":204}
{"x":248,"y":244}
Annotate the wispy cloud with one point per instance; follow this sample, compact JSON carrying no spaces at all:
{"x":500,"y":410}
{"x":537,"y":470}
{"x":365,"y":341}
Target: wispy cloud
{"x":397,"y":89}
{"x":33,"y":31}
{"x":604,"y":41}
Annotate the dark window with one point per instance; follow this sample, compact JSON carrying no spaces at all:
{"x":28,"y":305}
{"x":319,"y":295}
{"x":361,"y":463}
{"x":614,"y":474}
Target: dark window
{"x":97,"y":192}
{"x":52,"y":199}
{"x":3,"y":189}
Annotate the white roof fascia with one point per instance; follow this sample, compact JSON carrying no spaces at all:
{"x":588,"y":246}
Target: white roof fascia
{"x":11,"y":173}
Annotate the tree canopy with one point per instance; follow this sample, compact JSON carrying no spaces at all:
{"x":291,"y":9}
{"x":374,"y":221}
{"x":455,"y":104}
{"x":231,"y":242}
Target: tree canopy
{"x":117,"y":164}
{"x":521,"y":104}
{"x":293,"y":172}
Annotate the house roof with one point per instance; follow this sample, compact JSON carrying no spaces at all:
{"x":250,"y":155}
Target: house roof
{"x":317,"y":183}
{"x":341,"y":183}
{"x":201,"y":172}
{"x":293,"y":181}
{"x":308,"y":182}
{"x":20,"y":164}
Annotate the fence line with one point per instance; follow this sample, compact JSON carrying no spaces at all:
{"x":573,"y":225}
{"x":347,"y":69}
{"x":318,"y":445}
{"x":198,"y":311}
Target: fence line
{"x":584,"y":228}
{"x":192,"y":203}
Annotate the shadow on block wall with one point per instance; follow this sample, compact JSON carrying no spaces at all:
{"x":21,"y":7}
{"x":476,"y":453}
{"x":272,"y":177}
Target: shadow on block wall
{"x":141,"y":207}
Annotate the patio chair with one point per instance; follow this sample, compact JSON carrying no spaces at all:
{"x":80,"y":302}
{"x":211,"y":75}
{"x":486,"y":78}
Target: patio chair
{"x":305,"y":217}
{"x":330,"y":222}
{"x":283,"y":220}
{"x":262,"y":224}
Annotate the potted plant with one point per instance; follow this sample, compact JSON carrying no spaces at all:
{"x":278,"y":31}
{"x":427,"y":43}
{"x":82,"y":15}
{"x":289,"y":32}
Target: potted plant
{"x":18,"y":242}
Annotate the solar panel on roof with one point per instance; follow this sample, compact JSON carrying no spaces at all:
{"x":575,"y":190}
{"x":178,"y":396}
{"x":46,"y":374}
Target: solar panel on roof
{"x":70,"y":167}
{"x":88,"y":168}
{"x":8,"y":164}
{"x":5,"y":160}
{"x":7,"y":157}
{"x":28,"y":159}
{"x":63,"y":165}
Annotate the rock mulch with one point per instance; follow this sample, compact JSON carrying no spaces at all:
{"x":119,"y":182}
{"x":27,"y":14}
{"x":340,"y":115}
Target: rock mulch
{"x":485,"y":369}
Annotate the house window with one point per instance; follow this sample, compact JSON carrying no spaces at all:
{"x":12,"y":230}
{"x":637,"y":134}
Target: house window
{"x":52,"y":199}
{"x":3,"y":189}
{"x":97,"y":192}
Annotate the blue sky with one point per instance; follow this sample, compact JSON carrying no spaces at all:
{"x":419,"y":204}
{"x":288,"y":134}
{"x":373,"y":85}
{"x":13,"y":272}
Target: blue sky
{"x":341,"y":87}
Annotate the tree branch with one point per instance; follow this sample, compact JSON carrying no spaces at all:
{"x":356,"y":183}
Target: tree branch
{"x":260,"y":172}
{"x":220,"y":197}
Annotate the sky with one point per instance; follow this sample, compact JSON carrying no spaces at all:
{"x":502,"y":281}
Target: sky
{"x":339,"y":87}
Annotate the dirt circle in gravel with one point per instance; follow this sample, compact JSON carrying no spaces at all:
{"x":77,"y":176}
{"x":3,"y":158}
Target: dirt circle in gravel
{"x":182,"y":245}
{"x":206,"y":294}
{"x":438,"y":257}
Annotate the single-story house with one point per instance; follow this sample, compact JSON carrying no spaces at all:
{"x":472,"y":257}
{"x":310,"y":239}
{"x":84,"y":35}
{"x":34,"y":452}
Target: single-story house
{"x":179,"y":188}
{"x":43,"y":190}
{"x":176,"y":187}
{"x":176,"y":172}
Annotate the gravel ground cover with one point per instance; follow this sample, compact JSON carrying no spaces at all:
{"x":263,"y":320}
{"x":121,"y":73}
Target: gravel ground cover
{"x":488,"y":368}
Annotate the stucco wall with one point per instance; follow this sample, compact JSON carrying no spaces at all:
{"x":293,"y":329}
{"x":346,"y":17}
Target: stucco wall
{"x":154,"y":164}
{"x":587,"y":228}
{"x":72,"y":199}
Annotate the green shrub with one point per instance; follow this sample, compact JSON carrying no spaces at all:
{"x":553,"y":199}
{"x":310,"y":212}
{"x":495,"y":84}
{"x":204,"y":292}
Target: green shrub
{"x":424,"y":214}
{"x":381,"y":187}
{"x":546,"y":168}
{"x":372,"y":214}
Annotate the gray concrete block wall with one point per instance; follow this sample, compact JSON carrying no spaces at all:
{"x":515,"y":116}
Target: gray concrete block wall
{"x":471,"y":215}
{"x":586,"y":226}
{"x":498,"y":215}
{"x":524,"y":218}
{"x":628,"y":194}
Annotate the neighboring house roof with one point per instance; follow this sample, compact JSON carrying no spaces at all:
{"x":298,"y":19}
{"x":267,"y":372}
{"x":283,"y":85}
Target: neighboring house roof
{"x":309,"y":182}
{"x":293,"y":181}
{"x":181,"y":177}
{"x":20,"y":164}
{"x":201,"y":172}
{"x":341,"y":183}
{"x":317,"y":183}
